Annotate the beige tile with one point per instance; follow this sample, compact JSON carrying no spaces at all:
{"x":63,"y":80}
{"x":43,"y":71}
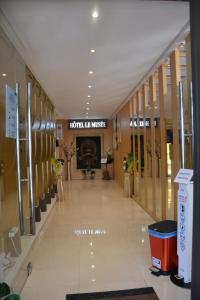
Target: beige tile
{"x":95,"y":240}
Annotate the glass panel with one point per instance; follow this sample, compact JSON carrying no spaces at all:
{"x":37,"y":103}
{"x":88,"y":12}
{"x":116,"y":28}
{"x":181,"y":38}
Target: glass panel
{"x":9,"y":220}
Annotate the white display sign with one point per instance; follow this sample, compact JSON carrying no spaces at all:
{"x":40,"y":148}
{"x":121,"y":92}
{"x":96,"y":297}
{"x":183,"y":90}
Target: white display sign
{"x":11,"y":113}
{"x":139,"y":123}
{"x":87,"y":124}
{"x":184,"y":176}
{"x":184,"y":236}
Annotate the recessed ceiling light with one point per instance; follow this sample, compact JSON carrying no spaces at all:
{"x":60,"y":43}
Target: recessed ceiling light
{"x":89,"y":96}
{"x":92,"y":266}
{"x":87,"y":108}
{"x":95,"y":14}
{"x":86,"y":113}
{"x":4,"y":74}
{"x":88,"y":103}
{"x":92,"y":50}
{"x":91,"y":72}
{"x":89,"y":86}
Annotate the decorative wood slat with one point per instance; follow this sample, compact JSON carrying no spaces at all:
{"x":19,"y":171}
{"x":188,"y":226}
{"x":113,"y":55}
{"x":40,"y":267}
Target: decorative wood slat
{"x":162,"y":95}
{"x":144,"y":99}
{"x":152,"y":95}
{"x":175,"y":78}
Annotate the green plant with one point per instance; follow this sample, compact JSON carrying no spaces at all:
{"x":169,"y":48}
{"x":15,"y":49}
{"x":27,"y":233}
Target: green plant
{"x":57,"y":166}
{"x":4,"y":289}
{"x":131,"y":166}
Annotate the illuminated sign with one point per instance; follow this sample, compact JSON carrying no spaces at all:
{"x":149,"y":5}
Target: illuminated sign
{"x":140,"y":123}
{"x":87,"y":124}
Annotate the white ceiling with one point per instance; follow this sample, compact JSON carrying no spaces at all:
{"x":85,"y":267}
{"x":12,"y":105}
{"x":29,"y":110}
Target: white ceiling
{"x":128,"y":37}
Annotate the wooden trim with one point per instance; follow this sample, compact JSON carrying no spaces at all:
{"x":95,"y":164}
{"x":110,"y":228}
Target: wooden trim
{"x":144,"y":99}
{"x":152,"y":97}
{"x":138,"y":143}
{"x":162,"y":95}
{"x":175,"y":78}
{"x":133,"y":129}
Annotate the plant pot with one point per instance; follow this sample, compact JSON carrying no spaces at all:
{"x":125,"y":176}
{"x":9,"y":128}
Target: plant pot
{"x":136,"y":184}
{"x":128,"y":184}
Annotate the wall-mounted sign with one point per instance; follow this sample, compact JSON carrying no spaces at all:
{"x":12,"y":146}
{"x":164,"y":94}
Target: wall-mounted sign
{"x":36,"y":125}
{"x":87,"y":124}
{"x":43,"y":125}
{"x":11,"y":113}
{"x":59,"y":132}
{"x":140,"y":123}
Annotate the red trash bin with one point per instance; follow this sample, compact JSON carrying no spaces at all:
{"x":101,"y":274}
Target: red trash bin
{"x":163,"y":243}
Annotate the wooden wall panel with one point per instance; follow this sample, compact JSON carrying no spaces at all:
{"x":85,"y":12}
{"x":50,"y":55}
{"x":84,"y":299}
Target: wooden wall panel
{"x":144,"y":101}
{"x":70,"y":136}
{"x":175,"y":78}
{"x":162,"y":95}
{"x":152,"y":95}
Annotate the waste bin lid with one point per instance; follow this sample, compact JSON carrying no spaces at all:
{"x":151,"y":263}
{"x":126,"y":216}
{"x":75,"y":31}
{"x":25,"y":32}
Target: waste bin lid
{"x":166,"y":226}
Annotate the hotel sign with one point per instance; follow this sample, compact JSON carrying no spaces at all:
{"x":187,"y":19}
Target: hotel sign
{"x":139,"y":123}
{"x":87,"y":124}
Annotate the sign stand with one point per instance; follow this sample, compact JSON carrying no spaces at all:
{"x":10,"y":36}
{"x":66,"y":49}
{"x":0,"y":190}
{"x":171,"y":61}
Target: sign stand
{"x":185,"y":223}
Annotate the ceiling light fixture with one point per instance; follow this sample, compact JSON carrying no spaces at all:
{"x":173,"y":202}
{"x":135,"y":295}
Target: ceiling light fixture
{"x":88,"y":103}
{"x":89,"y":86}
{"x":91,"y":72}
{"x":95,"y":14}
{"x":4,"y":74}
{"x":89,"y":96}
{"x":92,"y":50}
{"x":87,"y":108}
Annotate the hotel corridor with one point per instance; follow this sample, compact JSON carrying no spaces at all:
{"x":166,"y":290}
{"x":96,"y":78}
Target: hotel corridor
{"x":95,"y":239}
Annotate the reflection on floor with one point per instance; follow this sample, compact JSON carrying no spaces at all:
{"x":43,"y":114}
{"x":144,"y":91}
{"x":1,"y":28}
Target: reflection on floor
{"x":94,"y":240}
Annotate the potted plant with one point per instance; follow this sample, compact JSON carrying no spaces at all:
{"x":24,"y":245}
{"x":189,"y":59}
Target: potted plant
{"x":84,"y":173}
{"x":131,"y":169}
{"x":92,"y":174}
{"x":6,"y":293}
{"x":57,"y":169}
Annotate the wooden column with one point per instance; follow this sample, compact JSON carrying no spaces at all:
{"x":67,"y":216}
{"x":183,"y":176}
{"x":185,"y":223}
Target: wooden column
{"x":175,"y":78}
{"x":162,"y":95}
{"x":144,"y":101}
{"x":138,"y":138}
{"x":133,"y":128}
{"x":152,"y":95}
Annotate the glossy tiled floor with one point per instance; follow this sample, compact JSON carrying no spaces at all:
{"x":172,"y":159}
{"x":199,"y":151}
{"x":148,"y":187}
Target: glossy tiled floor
{"x":94,"y":240}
